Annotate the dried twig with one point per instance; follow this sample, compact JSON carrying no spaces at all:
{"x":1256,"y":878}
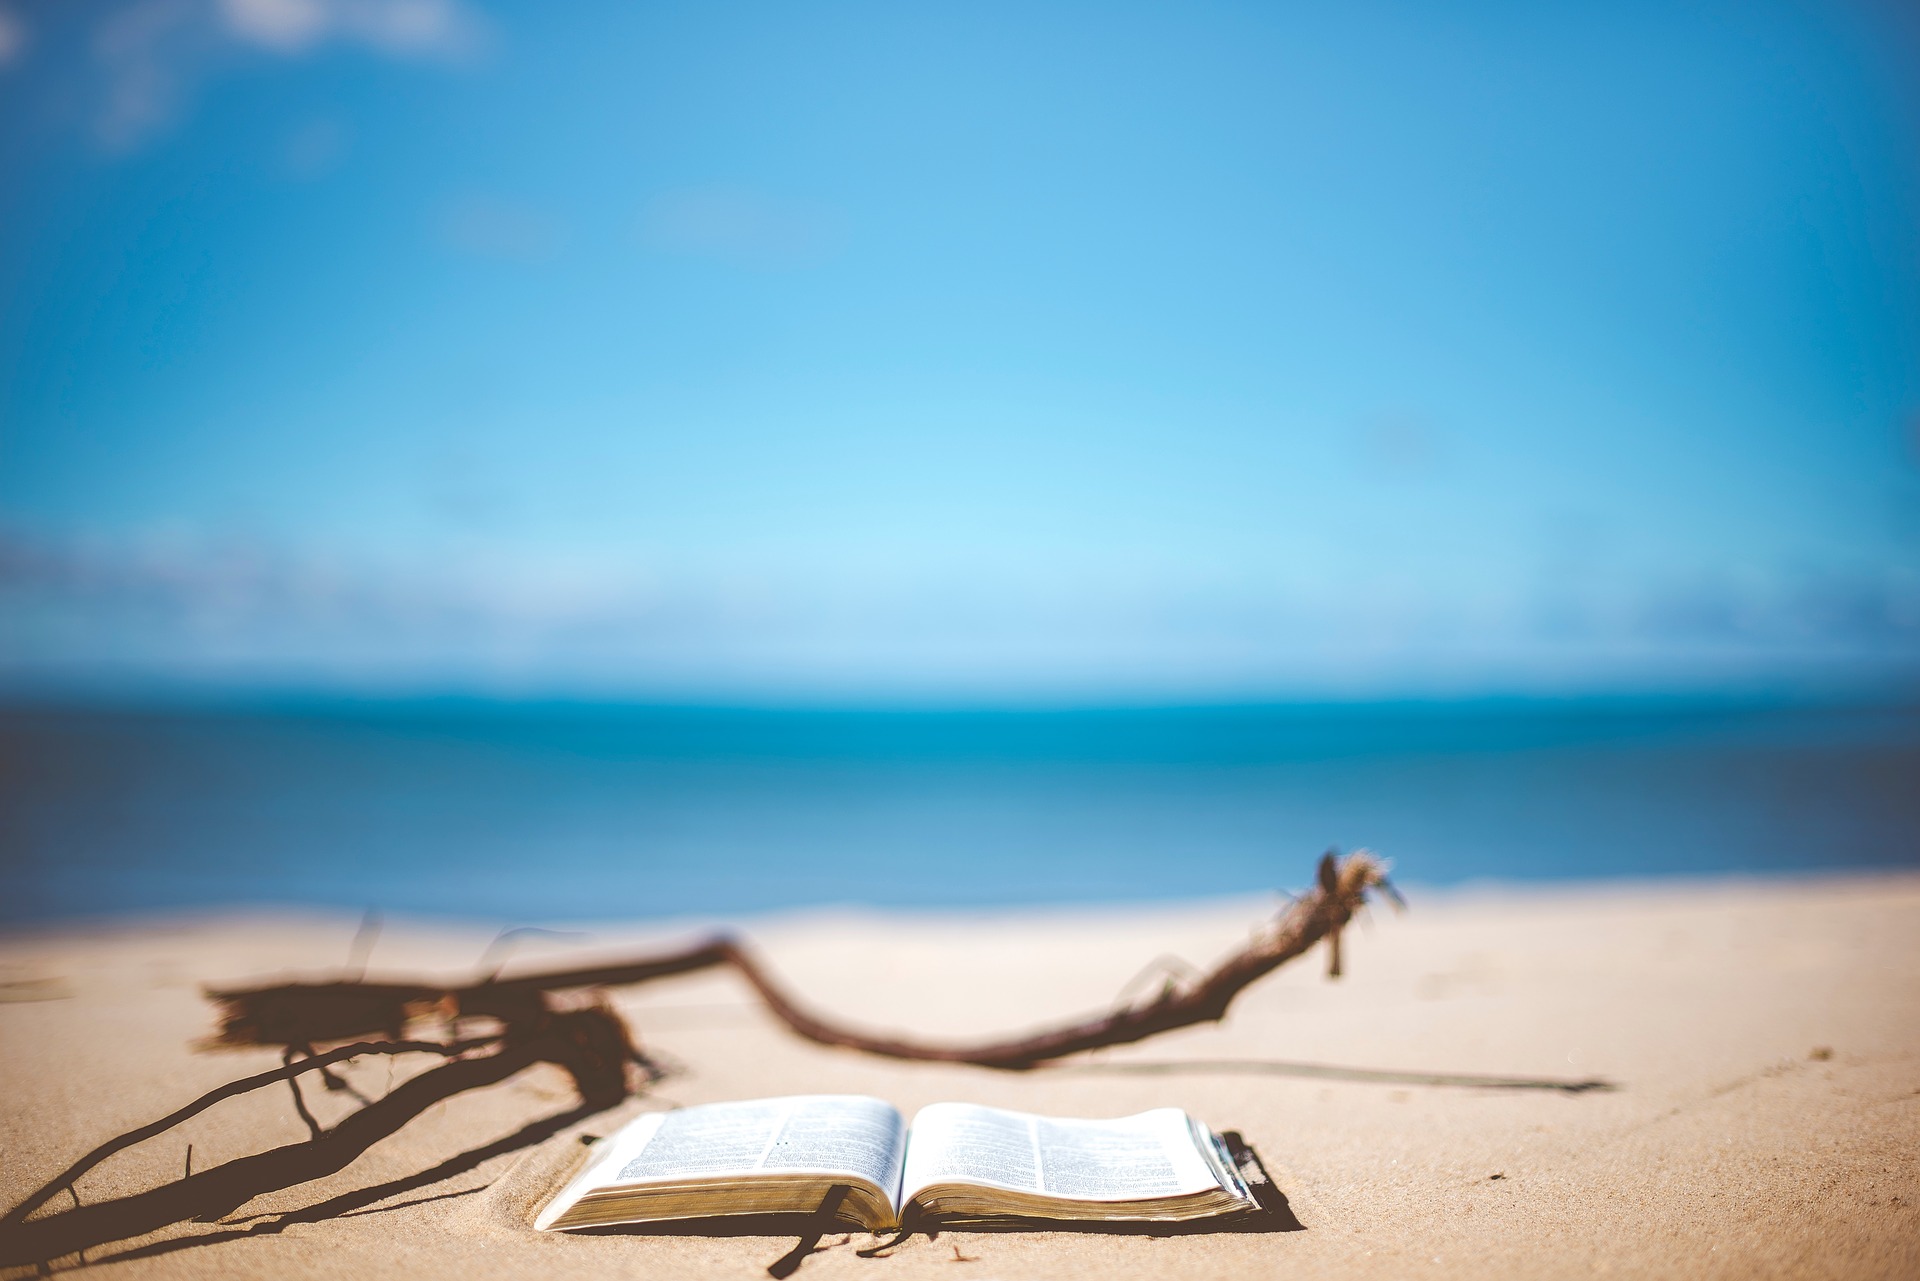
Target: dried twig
{"x":297,"y":1013}
{"x":1321,"y":913}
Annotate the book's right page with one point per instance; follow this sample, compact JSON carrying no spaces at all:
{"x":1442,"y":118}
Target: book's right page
{"x":967,"y":1160}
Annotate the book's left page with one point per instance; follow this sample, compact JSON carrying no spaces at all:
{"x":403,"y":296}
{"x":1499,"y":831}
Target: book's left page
{"x":765,"y":1156}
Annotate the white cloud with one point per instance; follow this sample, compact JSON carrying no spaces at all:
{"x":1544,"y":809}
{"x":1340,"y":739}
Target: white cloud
{"x":175,"y":605}
{"x":398,"y":27}
{"x":153,"y":54}
{"x":738,"y":226}
{"x":493,"y":228}
{"x":288,"y":26}
{"x":147,"y":52}
{"x":314,"y":149}
{"x":13,"y":37}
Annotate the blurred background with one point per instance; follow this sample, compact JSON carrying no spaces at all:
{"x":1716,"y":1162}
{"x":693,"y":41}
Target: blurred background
{"x":540,"y":462}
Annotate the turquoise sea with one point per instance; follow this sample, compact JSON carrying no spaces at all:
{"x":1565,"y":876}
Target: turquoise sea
{"x":524,"y":812}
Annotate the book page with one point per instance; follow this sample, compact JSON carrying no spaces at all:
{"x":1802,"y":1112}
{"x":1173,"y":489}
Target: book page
{"x":958,"y":1142}
{"x":1129,"y":1159}
{"x":824,"y":1133}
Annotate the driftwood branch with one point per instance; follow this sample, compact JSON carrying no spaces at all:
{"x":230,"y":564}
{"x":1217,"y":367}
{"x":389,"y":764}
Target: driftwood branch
{"x":1320,"y":913}
{"x":299,"y":1014}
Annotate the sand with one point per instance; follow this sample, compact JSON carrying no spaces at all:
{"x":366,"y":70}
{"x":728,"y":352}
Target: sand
{"x":1764,"y":1039}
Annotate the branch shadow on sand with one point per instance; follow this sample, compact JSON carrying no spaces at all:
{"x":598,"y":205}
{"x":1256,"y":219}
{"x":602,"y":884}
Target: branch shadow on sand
{"x":1334,"y":1072}
{"x":357,"y":1202}
{"x":210,"y":1196}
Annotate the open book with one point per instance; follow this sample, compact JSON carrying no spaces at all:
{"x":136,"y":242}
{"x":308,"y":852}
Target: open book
{"x":957,"y":1162}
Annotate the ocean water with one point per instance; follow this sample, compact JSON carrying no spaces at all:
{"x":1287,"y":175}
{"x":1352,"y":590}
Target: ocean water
{"x":547,"y":812}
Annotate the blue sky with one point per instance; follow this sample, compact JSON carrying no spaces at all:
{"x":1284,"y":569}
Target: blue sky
{"x":953,"y":351}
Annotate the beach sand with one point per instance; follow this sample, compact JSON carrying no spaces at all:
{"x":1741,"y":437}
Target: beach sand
{"x":1764,"y":1040}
